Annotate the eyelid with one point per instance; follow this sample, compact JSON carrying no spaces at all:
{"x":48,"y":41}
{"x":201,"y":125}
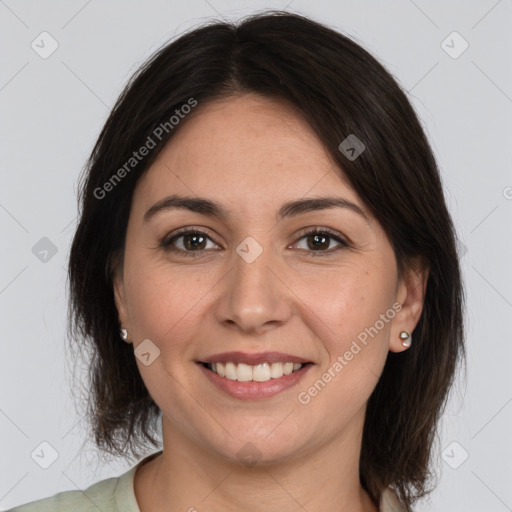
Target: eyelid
{"x":331,"y":233}
{"x":166,"y":241}
{"x":322,"y":229}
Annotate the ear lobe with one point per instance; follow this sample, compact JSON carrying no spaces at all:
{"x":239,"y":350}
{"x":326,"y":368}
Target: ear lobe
{"x":119,"y":297}
{"x":411,"y":292}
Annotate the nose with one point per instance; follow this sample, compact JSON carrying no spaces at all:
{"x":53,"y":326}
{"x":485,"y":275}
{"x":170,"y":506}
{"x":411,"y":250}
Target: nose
{"x":254,"y":296}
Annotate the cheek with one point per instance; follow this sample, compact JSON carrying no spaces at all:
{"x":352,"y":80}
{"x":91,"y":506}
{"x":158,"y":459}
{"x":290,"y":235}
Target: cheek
{"x":351,"y":317}
{"x":164,"y":305}
{"x":348,"y":301}
{"x":167,"y":304}
{"x":158,"y":298}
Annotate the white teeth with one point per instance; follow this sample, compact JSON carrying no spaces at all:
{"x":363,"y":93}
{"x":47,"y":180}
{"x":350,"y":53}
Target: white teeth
{"x":258,"y":373}
{"x":287,"y":368}
{"x":261,"y":372}
{"x":221,"y":369}
{"x":230,"y":371}
{"x":276,"y":370}
{"x":243,"y":372}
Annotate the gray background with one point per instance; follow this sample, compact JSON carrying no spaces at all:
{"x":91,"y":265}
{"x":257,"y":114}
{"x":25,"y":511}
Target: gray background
{"x":52,"y":111}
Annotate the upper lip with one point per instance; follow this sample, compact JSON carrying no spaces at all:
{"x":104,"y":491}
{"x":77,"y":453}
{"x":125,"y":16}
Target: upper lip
{"x":254,"y":359}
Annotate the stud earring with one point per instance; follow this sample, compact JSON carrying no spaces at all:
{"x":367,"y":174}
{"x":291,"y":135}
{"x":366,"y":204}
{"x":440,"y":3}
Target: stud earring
{"x":123,"y":333}
{"x":405,"y":337}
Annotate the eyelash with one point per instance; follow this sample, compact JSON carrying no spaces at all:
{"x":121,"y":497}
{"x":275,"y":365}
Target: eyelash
{"x":167,"y":243}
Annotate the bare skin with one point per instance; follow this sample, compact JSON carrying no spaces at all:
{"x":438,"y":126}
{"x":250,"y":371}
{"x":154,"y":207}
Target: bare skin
{"x":252,"y":155}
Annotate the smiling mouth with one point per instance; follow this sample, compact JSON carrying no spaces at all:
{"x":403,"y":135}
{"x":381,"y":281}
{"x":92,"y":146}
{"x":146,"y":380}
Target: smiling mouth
{"x":253,"y":373}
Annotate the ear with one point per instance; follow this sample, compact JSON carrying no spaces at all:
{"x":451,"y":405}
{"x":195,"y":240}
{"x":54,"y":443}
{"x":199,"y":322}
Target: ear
{"x":410,"y":294}
{"x":120,"y":297}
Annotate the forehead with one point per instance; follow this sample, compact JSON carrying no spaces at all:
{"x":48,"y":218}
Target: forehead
{"x":242,"y":148}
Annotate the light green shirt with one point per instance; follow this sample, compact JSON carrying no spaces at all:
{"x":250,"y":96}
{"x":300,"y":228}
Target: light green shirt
{"x":117,"y":495}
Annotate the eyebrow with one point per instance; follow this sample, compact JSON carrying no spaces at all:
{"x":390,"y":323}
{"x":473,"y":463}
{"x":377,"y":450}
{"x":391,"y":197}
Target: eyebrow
{"x":214,"y":209}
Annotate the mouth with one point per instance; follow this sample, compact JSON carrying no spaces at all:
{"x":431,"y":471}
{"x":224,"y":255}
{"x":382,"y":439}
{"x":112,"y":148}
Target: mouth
{"x":254,"y":376}
{"x":261,"y":372}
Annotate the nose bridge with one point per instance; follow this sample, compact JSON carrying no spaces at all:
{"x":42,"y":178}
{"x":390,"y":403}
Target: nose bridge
{"x":252,"y":295}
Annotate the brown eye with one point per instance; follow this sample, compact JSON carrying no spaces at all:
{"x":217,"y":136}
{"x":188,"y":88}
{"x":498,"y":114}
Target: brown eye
{"x":194,"y":241}
{"x":318,"y":242}
{"x":187,"y":242}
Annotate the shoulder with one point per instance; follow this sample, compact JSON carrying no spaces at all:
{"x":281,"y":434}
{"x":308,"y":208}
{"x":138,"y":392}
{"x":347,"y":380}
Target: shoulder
{"x":115,"y":494}
{"x":99,"y":496}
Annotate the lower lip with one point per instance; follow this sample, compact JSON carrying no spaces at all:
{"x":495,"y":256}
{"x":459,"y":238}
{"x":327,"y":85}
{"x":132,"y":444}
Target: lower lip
{"x":255,"y":390}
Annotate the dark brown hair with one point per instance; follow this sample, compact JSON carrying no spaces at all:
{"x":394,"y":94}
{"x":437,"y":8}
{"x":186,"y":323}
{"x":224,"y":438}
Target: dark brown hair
{"x":339,"y":89}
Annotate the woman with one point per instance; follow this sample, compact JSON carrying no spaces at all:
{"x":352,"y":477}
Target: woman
{"x":265,"y":262}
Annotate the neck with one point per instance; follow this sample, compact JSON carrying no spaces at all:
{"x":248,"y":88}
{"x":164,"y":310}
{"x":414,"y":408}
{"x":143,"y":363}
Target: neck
{"x":186,"y":477}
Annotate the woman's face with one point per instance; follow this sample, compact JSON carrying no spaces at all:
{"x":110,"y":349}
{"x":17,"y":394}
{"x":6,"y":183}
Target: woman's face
{"x":255,"y":281}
